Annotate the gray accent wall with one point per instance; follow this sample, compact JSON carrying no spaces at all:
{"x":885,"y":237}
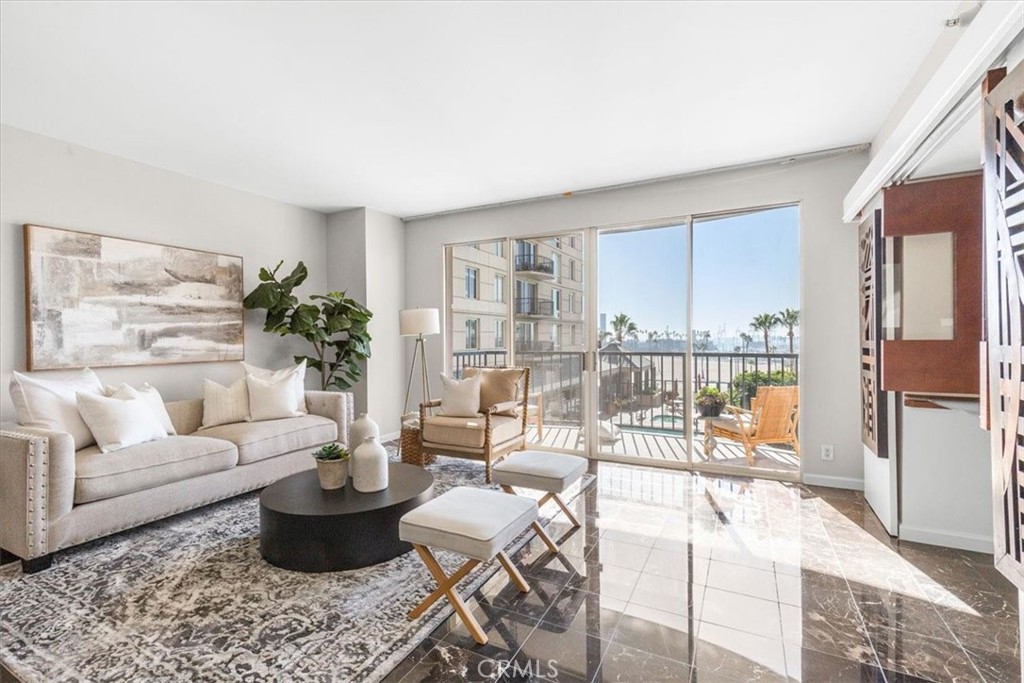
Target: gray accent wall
{"x":53,"y":183}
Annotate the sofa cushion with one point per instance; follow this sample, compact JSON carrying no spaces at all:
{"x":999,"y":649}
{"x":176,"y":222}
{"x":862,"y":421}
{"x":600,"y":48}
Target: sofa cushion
{"x":468,"y":432}
{"x":261,"y":440}
{"x":148,"y":465}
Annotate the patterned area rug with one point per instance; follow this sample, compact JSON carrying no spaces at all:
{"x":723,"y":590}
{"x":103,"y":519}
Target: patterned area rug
{"x":189,"y":598}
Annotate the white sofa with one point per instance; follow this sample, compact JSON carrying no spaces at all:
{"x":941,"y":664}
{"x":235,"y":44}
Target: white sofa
{"x":52,"y":497}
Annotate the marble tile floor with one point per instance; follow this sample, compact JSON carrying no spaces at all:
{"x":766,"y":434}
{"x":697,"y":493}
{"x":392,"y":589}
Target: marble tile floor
{"x":682,"y":577}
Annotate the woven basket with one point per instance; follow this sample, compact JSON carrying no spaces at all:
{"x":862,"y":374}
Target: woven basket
{"x":409,"y":447}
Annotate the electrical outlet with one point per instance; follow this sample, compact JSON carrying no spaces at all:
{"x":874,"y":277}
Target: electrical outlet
{"x":828,"y":452}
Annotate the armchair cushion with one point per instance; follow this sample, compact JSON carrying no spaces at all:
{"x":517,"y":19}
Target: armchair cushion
{"x":460,"y":398}
{"x":497,"y":385}
{"x":738,"y":423}
{"x":468,"y":432}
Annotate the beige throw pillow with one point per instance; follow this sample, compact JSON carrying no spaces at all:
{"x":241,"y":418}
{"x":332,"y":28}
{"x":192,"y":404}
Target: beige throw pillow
{"x":119,"y":423}
{"x":152,"y":399}
{"x":52,"y":403}
{"x":497,"y":385}
{"x":460,"y":398}
{"x":224,"y":405}
{"x":298,"y":380}
{"x":272,"y":399}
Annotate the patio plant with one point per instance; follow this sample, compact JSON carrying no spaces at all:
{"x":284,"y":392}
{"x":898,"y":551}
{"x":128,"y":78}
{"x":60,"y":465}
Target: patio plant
{"x":744,"y":385}
{"x":710,"y":401}
{"x":334,"y":324}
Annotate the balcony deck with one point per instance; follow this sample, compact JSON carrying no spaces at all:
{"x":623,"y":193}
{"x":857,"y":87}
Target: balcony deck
{"x":666,"y":446}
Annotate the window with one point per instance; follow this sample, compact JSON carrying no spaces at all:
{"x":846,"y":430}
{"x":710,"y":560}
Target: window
{"x":572,"y":336}
{"x":499,"y":334}
{"x":472,"y":280}
{"x":556,"y":264}
{"x":499,"y":289}
{"x":556,"y":301}
{"x":499,"y":248}
{"x":572,"y":270}
{"x":570,"y":304}
{"x":472,"y":333}
{"x":572,"y":241}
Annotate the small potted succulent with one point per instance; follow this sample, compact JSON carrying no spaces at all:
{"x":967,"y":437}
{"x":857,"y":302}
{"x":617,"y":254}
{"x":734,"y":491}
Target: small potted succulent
{"x":332,"y":466}
{"x":710,"y":401}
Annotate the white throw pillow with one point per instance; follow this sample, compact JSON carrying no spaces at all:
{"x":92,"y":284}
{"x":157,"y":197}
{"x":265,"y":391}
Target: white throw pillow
{"x":152,"y":399}
{"x":118,"y":423}
{"x":271,"y":399}
{"x":460,"y":398}
{"x":51,"y":403}
{"x":224,"y":405}
{"x":298,"y":383}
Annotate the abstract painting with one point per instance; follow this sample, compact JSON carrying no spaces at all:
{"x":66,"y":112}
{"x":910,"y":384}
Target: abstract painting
{"x":105,"y":301}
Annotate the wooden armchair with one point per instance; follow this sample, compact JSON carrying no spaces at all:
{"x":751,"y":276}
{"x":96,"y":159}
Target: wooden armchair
{"x":499,"y":429}
{"x":772,"y":418}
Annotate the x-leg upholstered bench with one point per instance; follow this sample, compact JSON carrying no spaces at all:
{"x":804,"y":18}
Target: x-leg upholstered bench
{"x":552,"y":473}
{"x":473,"y":522}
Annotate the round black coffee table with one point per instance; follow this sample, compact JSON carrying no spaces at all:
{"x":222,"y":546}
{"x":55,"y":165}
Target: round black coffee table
{"x":307,"y":529}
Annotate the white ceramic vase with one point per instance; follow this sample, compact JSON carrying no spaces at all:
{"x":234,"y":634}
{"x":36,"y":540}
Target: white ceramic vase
{"x":370,"y":466}
{"x":362,"y":428}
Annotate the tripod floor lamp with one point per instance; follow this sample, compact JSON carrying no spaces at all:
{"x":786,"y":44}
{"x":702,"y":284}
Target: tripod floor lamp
{"x":418,"y":322}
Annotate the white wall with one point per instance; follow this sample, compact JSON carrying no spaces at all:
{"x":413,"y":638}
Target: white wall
{"x":946,"y":480}
{"x":829,"y":374}
{"x":385,"y":296}
{"x":366,"y":252}
{"x":53,"y":183}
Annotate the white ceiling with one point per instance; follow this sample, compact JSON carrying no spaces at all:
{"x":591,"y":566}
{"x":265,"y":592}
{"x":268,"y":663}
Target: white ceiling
{"x":412,"y":108}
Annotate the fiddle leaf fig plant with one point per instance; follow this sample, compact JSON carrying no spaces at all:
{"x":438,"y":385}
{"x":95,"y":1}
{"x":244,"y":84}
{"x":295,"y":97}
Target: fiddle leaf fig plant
{"x":333,"y":323}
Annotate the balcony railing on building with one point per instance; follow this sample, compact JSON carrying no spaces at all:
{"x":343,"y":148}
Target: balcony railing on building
{"x":532,"y":263}
{"x":534,"y":306}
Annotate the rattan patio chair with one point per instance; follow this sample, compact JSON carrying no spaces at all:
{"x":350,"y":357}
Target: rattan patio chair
{"x":772,"y":419}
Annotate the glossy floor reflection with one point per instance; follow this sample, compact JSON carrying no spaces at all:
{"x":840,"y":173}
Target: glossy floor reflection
{"x":680,"y":577}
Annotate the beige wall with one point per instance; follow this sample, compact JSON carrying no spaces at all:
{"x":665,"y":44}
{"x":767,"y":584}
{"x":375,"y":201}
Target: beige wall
{"x":54,"y":183}
{"x":829,"y":330}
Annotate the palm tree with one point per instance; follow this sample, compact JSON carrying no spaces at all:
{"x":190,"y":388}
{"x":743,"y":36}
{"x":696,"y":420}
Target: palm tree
{"x":790,"y":318}
{"x":747,"y":341}
{"x":624,"y":327}
{"x":764,"y":323}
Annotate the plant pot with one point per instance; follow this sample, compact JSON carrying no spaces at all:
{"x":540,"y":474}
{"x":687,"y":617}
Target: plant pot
{"x":333,"y":473}
{"x":709,"y":410}
{"x":651,"y":400}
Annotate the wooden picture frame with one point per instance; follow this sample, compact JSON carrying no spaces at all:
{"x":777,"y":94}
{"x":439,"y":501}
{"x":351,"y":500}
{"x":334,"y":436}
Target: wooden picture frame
{"x":94,"y":300}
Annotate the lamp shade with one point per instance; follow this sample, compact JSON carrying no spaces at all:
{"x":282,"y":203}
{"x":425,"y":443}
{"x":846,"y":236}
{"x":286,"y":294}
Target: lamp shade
{"x":416,"y":321}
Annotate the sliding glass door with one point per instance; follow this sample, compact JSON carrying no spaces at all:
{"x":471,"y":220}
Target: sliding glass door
{"x":642,"y":410}
{"x":623,"y":328}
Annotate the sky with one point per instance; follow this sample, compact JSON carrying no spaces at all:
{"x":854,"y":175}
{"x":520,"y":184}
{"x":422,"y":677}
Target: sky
{"x":743,"y":266}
